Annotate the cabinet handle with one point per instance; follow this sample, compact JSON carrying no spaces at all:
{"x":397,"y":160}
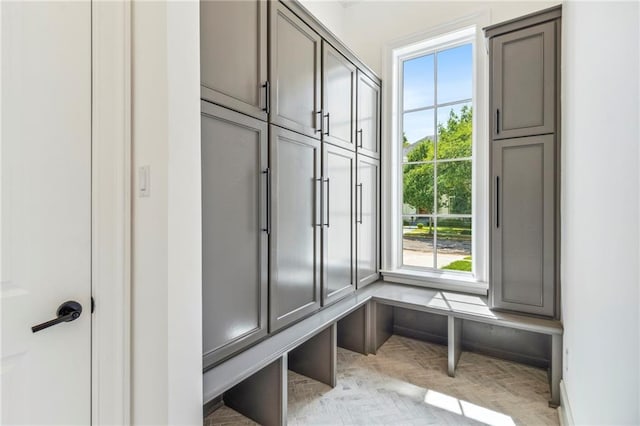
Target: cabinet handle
{"x":318,"y":115}
{"x":497,"y":201}
{"x":267,"y":96}
{"x":360,"y":143}
{"x":328,"y":210}
{"x":267,"y":173}
{"x":360,"y":206}
{"x":319,"y":201}
{"x":498,"y":121}
{"x":328,"y":123}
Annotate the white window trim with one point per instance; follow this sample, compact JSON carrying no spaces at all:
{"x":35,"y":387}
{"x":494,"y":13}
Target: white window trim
{"x":391,"y":177}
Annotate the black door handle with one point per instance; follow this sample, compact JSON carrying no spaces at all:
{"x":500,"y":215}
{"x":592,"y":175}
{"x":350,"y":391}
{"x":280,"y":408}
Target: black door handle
{"x":68,"y":311}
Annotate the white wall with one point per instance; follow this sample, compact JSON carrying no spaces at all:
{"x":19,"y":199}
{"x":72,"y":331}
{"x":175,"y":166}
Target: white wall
{"x":370,"y":25}
{"x":600,"y":214}
{"x":330,"y":12}
{"x":166,"y":284}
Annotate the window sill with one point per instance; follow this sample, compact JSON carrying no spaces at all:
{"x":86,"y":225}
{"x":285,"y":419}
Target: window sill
{"x":438,"y":281}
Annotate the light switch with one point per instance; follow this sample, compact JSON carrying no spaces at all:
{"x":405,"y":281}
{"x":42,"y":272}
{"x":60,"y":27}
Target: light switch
{"x":144,"y":181}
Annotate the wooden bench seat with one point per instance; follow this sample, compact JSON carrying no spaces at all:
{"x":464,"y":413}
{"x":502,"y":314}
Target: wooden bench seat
{"x":264,"y":365}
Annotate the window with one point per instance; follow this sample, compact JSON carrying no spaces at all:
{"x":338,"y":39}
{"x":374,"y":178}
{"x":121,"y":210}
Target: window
{"x":436,"y":201}
{"x":437,"y":130}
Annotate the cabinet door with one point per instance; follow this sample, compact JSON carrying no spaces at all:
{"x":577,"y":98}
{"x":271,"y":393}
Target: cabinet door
{"x":233,"y":54}
{"x":338,"y":98}
{"x":368,"y":117}
{"x":296,"y":227}
{"x":234,"y":244}
{"x":368,"y":220}
{"x":295,"y":73}
{"x":338,"y":231}
{"x":522,"y":240}
{"x":524,"y":82}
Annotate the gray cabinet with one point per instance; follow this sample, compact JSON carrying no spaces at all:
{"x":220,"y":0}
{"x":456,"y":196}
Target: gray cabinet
{"x":233,"y":55}
{"x":522,"y":237}
{"x":368,"y":116}
{"x":338,"y":230}
{"x":234,"y":243}
{"x":368,"y":220}
{"x":296,"y":221}
{"x":338,"y":98}
{"x":295,"y":57}
{"x":524,"y":81}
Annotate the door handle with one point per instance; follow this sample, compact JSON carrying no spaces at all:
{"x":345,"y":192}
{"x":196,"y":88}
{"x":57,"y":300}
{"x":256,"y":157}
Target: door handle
{"x":267,"y":96}
{"x":267,"y":229}
{"x":497,"y":121}
{"x":328,"y":124}
{"x":318,"y":116}
{"x":68,"y":311}
{"x":360,"y":206}
{"x":497,"y":201}
{"x":360,"y":142}
{"x":328,"y":211}
{"x":319,"y":197}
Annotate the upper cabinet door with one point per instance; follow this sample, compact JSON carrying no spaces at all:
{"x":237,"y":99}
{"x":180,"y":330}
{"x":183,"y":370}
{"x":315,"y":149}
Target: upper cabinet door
{"x":233,"y":55}
{"x":294,"y":72}
{"x":524,"y":82}
{"x":338,"y":231}
{"x":368,"y":117}
{"x":338,"y":98}
{"x":295,"y":250}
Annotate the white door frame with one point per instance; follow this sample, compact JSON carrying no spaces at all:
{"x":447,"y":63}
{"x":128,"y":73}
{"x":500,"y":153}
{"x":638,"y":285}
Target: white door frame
{"x":111,"y":212}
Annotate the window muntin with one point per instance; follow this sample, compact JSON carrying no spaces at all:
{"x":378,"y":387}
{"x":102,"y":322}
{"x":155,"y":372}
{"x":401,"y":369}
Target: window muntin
{"x":437,"y":164}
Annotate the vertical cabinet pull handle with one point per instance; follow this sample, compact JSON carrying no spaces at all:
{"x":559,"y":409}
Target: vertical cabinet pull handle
{"x":267,"y":173}
{"x":267,"y":96}
{"x":498,"y":121}
{"x":497,"y":201}
{"x":318,"y":123}
{"x":319,"y":196}
{"x":327,"y":200}
{"x":360,"y":204}
{"x":360,"y":143}
{"x":328,"y":124}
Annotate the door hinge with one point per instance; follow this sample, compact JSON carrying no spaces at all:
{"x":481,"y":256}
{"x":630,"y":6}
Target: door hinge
{"x":93,"y":304}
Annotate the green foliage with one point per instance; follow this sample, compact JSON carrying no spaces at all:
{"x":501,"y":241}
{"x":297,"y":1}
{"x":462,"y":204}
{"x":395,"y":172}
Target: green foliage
{"x":420,"y":225}
{"x":459,"y":265}
{"x":454,"y":178}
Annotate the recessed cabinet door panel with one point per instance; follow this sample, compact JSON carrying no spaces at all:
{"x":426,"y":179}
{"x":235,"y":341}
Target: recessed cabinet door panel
{"x":234,"y":245}
{"x":524,"y":82}
{"x":523,"y":225}
{"x":338,"y":106}
{"x":368,"y":220}
{"x":338,"y":232}
{"x":233,"y":54}
{"x":295,"y":239}
{"x":368,"y":117}
{"x":295,"y":73}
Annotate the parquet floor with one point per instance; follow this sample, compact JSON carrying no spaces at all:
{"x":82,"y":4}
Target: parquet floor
{"x":406,"y":383}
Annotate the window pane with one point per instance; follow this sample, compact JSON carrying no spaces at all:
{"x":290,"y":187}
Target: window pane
{"x":417,"y":127}
{"x":417,"y":241}
{"x":418,"y":79}
{"x":417,"y":185}
{"x":455,"y":74}
{"x":454,"y":244}
{"x":454,"y":131}
{"x":454,"y":187}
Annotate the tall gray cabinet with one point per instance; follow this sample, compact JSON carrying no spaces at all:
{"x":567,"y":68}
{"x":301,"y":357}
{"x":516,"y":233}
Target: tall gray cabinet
{"x":524,"y":64}
{"x":290,"y":171}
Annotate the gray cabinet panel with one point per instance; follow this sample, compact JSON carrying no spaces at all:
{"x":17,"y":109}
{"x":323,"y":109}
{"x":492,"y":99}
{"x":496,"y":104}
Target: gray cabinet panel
{"x":295,"y":239}
{"x":234,"y":246}
{"x":233,"y":54}
{"x":524,"y":82}
{"x":368,"y":117}
{"x":523,"y":239}
{"x":338,"y":231}
{"x":368,"y":220}
{"x":294,"y":72}
{"x":338,"y":98}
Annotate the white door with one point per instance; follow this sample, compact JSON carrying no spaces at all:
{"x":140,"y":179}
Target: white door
{"x":46,"y":211}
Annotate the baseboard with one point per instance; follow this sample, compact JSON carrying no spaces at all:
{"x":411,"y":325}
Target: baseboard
{"x":564,"y":410}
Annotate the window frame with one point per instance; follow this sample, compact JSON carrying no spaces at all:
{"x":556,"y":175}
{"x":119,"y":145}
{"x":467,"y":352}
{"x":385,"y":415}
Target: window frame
{"x":463,"y":31}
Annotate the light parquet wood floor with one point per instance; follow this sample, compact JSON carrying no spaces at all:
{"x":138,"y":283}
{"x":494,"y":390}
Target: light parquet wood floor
{"x":406,"y":383}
